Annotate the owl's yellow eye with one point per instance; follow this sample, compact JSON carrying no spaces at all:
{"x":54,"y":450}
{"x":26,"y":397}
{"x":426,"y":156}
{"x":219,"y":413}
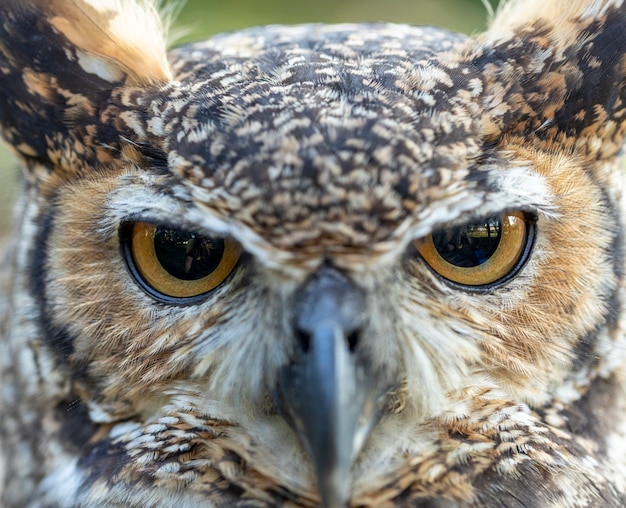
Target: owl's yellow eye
{"x":180,"y":264}
{"x":479,"y":253}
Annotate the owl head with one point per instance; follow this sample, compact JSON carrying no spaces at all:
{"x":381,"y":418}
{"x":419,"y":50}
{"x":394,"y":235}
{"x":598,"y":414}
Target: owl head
{"x":291,"y":264}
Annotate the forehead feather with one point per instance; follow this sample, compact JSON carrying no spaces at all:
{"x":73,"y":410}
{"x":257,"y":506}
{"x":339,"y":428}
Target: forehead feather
{"x":305,"y":127}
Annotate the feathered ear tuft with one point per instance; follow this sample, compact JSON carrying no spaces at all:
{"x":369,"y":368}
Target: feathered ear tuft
{"x":111,"y":38}
{"x":62,"y":62}
{"x":128,"y":34}
{"x":566,"y":16}
{"x":556,"y":72}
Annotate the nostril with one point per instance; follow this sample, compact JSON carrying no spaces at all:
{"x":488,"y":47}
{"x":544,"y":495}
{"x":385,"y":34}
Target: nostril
{"x":353,"y":339}
{"x":304,"y":339}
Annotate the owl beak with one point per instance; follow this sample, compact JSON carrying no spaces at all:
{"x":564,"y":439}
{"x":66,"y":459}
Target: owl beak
{"x":326,"y":393}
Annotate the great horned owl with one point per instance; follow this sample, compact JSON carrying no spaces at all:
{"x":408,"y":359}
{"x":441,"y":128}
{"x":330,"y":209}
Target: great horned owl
{"x":358,"y":265}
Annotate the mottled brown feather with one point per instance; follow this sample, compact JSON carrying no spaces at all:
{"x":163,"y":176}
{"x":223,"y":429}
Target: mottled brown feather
{"x":315,"y":148}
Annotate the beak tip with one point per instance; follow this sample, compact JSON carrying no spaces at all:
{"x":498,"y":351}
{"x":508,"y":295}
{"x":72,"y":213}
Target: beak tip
{"x":334,"y":487}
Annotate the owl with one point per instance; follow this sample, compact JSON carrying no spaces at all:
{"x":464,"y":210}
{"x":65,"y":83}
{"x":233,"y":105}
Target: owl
{"x":347,"y":266}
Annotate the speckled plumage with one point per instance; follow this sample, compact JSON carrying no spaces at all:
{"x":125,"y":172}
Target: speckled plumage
{"x":327,"y":153}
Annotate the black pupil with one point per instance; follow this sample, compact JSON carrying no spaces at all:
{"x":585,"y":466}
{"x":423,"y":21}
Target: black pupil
{"x":187,"y":256}
{"x":471,"y":244}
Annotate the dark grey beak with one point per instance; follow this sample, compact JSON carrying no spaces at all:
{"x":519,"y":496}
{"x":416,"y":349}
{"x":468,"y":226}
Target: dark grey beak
{"x":328,"y":393}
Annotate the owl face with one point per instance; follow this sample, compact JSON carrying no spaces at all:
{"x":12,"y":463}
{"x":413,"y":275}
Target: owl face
{"x":299,"y":263}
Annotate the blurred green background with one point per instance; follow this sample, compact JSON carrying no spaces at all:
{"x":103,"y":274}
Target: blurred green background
{"x":200,"y":18}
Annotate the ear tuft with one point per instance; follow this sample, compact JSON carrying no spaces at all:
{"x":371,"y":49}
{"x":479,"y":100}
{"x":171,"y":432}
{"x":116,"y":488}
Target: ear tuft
{"x":128,"y":35}
{"x":556,"y":73}
{"x":63,"y":67}
{"x":566,"y":16}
